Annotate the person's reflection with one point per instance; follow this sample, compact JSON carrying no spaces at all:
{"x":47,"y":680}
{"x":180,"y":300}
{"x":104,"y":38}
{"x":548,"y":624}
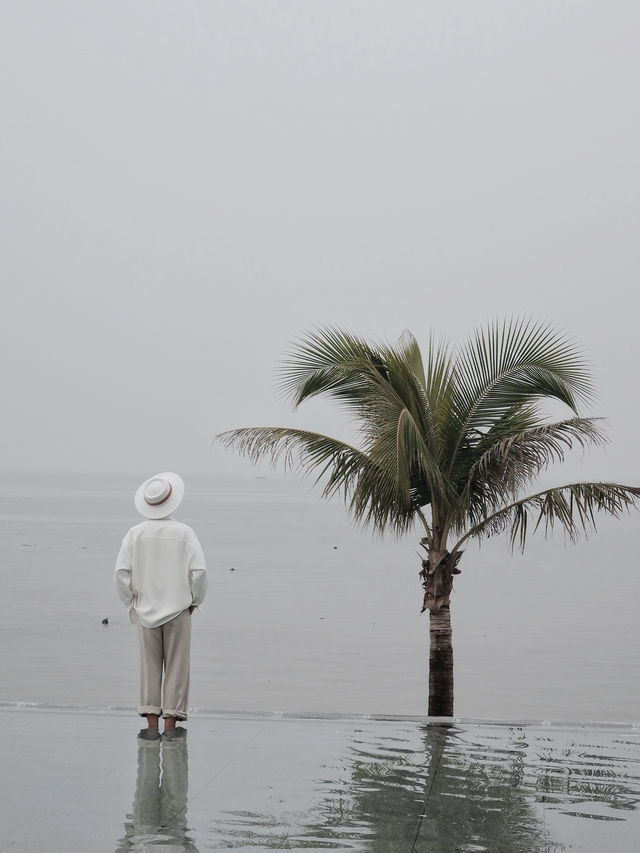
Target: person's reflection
{"x":159,"y":817}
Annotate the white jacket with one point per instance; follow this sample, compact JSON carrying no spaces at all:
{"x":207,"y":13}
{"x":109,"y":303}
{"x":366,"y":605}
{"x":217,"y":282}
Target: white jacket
{"x":160,"y":571}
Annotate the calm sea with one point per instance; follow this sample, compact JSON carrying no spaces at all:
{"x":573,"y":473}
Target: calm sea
{"x":306,"y":613}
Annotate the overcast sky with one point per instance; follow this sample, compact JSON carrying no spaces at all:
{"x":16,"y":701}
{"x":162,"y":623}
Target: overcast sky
{"x":188,"y":186}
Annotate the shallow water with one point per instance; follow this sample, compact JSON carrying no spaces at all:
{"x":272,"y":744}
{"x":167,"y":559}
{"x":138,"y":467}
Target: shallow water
{"x":81,"y":781}
{"x":465,"y":788}
{"x":306,"y":613}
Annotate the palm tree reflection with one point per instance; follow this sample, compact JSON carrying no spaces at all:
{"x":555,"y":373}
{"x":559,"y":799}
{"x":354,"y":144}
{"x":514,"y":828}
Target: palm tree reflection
{"x":443,"y":797}
{"x":440,"y":789}
{"x":491,"y":789}
{"x":417,"y":793}
{"x":159,"y":815}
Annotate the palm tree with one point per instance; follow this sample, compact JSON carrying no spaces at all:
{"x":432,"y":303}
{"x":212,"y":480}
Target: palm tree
{"x":450,"y":444}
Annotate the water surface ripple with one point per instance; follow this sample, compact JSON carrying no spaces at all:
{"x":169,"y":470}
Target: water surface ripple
{"x":460,"y":788}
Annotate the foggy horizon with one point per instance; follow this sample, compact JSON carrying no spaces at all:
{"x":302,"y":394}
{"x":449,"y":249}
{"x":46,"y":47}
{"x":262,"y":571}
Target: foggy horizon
{"x":187,"y":189}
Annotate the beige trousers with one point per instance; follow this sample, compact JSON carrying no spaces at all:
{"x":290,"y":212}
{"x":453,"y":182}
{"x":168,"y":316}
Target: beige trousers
{"x":168,"y":645}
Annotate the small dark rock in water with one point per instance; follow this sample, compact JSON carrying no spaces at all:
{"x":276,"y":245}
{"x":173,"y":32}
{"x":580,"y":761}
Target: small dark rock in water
{"x":105,"y":621}
{"x":335,"y":547}
{"x":232,"y":569}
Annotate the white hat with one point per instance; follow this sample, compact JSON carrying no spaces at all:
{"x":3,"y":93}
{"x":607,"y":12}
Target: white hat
{"x":160,"y":495}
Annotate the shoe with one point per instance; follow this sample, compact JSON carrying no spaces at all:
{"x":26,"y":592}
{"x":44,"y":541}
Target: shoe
{"x":149,"y":734}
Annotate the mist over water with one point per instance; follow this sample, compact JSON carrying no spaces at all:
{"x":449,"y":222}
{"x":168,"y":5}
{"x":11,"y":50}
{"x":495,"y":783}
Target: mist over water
{"x":305,"y":613}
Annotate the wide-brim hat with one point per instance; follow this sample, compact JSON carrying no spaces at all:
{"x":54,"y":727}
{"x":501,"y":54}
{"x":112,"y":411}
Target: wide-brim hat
{"x":160,"y":495}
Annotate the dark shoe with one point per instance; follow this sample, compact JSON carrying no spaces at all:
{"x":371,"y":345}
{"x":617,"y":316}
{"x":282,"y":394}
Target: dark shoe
{"x":149,"y":734}
{"x":175,"y":734}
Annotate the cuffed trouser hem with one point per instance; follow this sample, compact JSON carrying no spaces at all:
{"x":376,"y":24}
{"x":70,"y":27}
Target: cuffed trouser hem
{"x":179,"y":715}
{"x":144,"y":710}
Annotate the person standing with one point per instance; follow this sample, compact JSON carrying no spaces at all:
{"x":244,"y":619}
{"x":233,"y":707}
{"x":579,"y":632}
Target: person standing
{"x":161,"y":577}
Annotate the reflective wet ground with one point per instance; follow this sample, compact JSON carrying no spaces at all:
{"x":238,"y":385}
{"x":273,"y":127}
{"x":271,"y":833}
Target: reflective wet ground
{"x":81,"y":780}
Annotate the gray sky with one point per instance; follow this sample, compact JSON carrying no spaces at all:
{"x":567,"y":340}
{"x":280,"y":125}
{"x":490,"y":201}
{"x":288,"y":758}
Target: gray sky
{"x":187,"y":186}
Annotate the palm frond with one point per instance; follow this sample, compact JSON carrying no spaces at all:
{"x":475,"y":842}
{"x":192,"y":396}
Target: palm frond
{"x":373,"y":496}
{"x":329,"y":361}
{"x":438,"y":386}
{"x":432,"y":392}
{"x":407,"y":353}
{"x":383,"y":387}
{"x":301,"y":450}
{"x":357,"y":374}
{"x":572,"y":507}
{"x":513,"y":364}
{"x":378,"y":504}
{"x":511,"y":461}
{"x":514,"y":421}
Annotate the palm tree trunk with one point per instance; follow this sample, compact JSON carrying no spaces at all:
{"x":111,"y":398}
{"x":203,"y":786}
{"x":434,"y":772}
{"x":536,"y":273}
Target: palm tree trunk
{"x":437,"y":574}
{"x":440,"y":663}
